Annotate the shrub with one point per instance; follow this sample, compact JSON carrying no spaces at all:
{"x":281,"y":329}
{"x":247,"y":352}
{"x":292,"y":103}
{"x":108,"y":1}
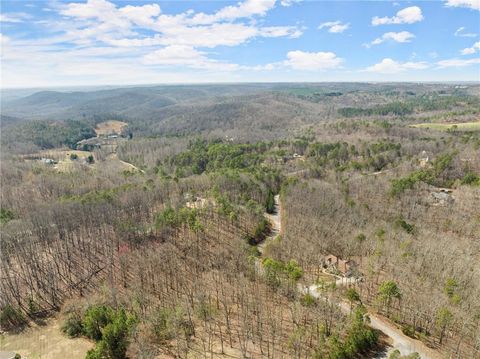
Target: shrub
{"x":270,"y":202}
{"x":6,"y":215}
{"x":73,"y":326}
{"x":308,"y":300}
{"x":114,"y":343}
{"x":407,"y":227}
{"x":293,"y":270}
{"x":471,"y":179}
{"x":162,"y":326}
{"x":361,"y":238}
{"x":261,"y":230}
{"x":166,"y":324}
{"x":96,"y":317}
{"x":359,"y":339}
{"x":110,"y":328}
{"x":408,"y":330}
{"x":11,"y":318}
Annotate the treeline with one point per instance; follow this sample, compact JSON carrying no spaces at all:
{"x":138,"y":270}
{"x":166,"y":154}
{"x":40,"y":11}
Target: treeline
{"x":394,"y":108}
{"x":442,"y":173}
{"x":203,"y":156}
{"x":48,"y":134}
{"x":410,"y":105}
{"x":343,"y":156}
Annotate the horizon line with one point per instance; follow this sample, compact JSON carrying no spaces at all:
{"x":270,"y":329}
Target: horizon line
{"x":240,"y":83}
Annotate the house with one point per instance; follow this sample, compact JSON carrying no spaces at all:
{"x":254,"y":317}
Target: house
{"x":48,"y":161}
{"x":424,"y":159}
{"x":442,"y":197}
{"x":345,"y":267}
{"x":89,"y":144}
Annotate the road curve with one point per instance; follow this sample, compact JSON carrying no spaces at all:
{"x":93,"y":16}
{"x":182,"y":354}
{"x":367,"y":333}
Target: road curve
{"x":400,"y":341}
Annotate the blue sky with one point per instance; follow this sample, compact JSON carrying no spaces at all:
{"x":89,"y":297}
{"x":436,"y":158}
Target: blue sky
{"x":106,"y":42}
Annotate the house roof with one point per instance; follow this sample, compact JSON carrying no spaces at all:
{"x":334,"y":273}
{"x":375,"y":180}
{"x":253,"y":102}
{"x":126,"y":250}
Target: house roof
{"x":7,"y":355}
{"x":341,"y":264}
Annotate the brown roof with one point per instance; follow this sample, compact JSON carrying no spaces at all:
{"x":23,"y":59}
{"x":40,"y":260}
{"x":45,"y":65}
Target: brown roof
{"x":342,"y":265}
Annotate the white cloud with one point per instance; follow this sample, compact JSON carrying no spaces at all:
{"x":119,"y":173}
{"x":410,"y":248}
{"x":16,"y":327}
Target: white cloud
{"x":14,"y":17}
{"x":334,"y":26}
{"x":460,"y":33}
{"x":311,"y":61}
{"x":408,"y":15}
{"x":3,"y":42}
{"x":280,"y":31}
{"x":287,"y":3}
{"x":174,"y":55}
{"x":471,"y":50}
{"x":178,"y":55}
{"x":458,"y":62}
{"x":100,"y":9}
{"x":472,"y":4}
{"x":102,"y":21}
{"x":403,"y":36}
{"x":389,"y":66}
{"x":244,"y":9}
{"x":222,"y":34}
{"x":141,"y":15}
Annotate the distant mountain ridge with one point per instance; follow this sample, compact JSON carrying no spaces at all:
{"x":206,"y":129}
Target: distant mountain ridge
{"x":78,"y":104}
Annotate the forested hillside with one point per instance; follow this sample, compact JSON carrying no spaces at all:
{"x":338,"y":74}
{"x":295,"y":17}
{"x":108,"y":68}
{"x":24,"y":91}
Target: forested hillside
{"x":156,"y":241}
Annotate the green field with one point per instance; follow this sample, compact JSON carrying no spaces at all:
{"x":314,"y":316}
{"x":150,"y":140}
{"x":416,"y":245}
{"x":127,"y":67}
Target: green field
{"x":463,"y":126}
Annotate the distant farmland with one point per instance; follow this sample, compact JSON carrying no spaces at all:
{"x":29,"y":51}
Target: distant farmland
{"x":462,"y":126}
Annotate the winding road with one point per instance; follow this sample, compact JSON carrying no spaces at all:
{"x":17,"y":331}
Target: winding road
{"x":398,"y":340}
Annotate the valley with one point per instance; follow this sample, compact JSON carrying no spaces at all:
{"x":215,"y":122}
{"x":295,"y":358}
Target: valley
{"x":328,"y":221}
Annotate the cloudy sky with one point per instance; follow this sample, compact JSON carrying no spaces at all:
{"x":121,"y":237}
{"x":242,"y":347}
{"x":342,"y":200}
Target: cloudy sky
{"x":100,"y":42}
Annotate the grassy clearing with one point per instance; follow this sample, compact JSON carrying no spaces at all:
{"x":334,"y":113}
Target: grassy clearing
{"x":462,"y":126}
{"x":110,"y":127}
{"x":67,"y":164}
{"x":46,"y":341}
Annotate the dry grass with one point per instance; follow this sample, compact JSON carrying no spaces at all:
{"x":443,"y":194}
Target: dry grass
{"x":461,"y":126}
{"x":110,"y":127}
{"x":62,"y":157}
{"x":46,"y":342}
{"x":66,"y":164}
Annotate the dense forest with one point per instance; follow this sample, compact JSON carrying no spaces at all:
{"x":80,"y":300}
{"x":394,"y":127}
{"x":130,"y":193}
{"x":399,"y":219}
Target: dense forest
{"x":152,"y":244}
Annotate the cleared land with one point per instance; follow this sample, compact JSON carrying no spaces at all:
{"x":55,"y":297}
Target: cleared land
{"x":462,"y":126}
{"x":46,"y":342}
{"x":65,"y":158}
{"x":110,"y":127}
{"x":67,"y":163}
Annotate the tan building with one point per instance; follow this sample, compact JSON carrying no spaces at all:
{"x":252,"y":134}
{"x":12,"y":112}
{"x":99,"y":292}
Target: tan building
{"x":345,"y":267}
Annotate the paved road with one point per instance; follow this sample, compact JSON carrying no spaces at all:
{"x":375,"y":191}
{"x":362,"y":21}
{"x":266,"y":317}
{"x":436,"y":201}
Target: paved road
{"x":400,"y":341}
